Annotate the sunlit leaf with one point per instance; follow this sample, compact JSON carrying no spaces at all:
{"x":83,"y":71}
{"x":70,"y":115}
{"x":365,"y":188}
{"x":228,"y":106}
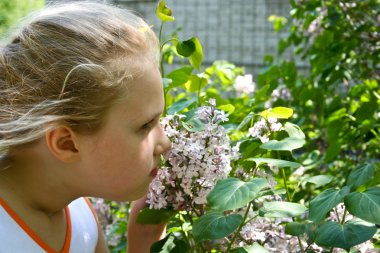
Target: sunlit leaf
{"x":163,"y":12}
{"x":278,"y":112}
{"x":318,"y":181}
{"x":195,"y":83}
{"x":229,"y":108}
{"x":281,"y":209}
{"x":288,"y":144}
{"x":179,"y":76}
{"x":294,"y":131}
{"x":276,"y":162}
{"x":196,"y":57}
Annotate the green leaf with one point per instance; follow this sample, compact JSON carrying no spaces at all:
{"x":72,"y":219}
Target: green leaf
{"x":324,"y":202}
{"x":296,"y":228}
{"x":351,"y":233}
{"x":227,"y":108}
{"x":185,"y":48}
{"x":245,"y":121}
{"x":193,"y":125}
{"x":361,"y":176}
{"x":195,"y":83}
{"x":179,"y":76}
{"x":276,"y":162}
{"x":332,"y":151}
{"x":337,"y":115}
{"x":318,"y":181}
{"x":232,"y":193}
{"x":181,"y":104}
{"x":281,"y":209}
{"x":197,"y":57}
{"x":214,"y":225}
{"x":294,"y":131}
{"x":288,"y":144}
{"x":254,"y":248}
{"x":166,"y":82}
{"x":154,"y":216}
{"x":170,"y":244}
{"x":277,"y":112}
{"x":163,"y":12}
{"x":365,"y":205}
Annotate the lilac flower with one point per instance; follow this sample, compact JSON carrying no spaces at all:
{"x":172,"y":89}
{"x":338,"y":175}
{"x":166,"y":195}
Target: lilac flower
{"x":196,"y":161}
{"x":263,"y":128}
{"x":280,"y":93}
{"x":244,"y":85}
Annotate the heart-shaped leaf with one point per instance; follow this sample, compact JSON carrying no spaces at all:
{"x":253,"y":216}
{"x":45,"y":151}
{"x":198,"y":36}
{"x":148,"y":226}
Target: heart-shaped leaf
{"x":214,"y":225}
{"x":324,"y":202}
{"x":361,"y":175}
{"x":351,"y":233}
{"x":185,"y":48}
{"x":365,"y":205}
{"x":232,"y":193}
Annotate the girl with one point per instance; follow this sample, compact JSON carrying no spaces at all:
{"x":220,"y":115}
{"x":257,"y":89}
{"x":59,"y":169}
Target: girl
{"x":80,"y":102}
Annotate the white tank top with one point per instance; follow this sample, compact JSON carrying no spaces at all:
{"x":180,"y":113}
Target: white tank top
{"x":81,"y":232}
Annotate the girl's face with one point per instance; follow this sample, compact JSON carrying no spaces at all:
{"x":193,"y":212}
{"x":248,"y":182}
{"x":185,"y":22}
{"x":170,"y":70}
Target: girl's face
{"x":122,"y":158}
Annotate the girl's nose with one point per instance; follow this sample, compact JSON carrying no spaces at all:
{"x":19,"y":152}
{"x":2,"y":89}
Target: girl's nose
{"x":163,"y":145}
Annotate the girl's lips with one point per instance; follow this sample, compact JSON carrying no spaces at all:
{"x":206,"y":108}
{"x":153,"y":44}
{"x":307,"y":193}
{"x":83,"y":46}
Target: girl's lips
{"x":153,"y":173}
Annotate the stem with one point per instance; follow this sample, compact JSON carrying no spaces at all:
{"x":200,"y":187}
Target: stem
{"x":166,"y":41}
{"x":344,"y":215}
{"x":239,"y":228}
{"x":337,"y":215}
{"x":290,"y":200}
{"x":161,"y":60}
{"x":286,"y":185}
{"x":199,"y":93}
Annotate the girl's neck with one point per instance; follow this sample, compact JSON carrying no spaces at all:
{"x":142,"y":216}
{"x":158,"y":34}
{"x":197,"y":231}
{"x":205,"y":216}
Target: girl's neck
{"x":34,"y":183}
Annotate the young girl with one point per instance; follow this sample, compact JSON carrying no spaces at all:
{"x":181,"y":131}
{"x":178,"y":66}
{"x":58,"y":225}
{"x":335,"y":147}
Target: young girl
{"x":80,"y":102}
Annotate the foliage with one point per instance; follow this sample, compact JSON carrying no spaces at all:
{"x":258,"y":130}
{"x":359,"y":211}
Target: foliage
{"x":307,"y":178}
{"x":12,"y":10}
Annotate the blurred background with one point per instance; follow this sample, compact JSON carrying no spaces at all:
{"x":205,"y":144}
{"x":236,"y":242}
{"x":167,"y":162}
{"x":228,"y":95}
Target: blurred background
{"x":238,"y":31}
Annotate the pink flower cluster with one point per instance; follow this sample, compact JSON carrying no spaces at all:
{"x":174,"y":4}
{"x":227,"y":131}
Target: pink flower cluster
{"x":198,"y":158}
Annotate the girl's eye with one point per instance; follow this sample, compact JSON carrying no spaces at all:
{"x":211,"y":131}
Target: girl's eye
{"x":147,"y":126}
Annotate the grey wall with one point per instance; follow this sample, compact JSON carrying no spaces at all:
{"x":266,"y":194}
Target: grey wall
{"x":233,"y":30}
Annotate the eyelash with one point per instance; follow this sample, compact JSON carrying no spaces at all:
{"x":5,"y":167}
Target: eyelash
{"x":147,"y":126}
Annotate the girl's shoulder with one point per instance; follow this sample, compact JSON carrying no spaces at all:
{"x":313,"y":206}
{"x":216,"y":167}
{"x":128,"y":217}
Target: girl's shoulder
{"x":81,"y":230}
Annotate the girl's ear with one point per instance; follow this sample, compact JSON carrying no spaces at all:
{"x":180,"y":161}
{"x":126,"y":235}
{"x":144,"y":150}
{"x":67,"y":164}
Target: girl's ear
{"x":62,"y":143}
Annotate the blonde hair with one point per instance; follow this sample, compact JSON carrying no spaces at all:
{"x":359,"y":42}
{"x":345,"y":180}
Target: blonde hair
{"x":68,"y":63}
